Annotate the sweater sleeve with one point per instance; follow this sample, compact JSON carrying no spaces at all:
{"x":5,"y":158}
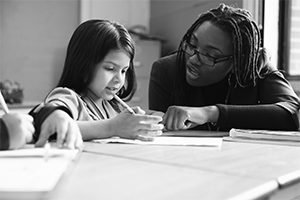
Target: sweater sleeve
{"x":269,"y":117}
{"x":40,"y":116}
{"x":67,"y":98}
{"x":160,"y":86}
{"x":4,"y":136}
{"x":277,"y":108}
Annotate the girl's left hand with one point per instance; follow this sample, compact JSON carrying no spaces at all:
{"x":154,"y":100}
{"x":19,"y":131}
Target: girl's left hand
{"x":67,"y":130}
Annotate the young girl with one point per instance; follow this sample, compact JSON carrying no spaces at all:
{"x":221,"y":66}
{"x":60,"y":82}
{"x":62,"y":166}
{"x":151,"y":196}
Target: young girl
{"x":98,"y":66}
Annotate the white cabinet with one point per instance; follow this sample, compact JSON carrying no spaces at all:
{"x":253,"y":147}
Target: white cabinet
{"x":147,"y":51}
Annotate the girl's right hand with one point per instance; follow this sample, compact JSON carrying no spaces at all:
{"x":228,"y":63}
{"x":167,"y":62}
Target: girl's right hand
{"x":137,"y":126}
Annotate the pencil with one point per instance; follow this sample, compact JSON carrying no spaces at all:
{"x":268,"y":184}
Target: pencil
{"x":3,"y":104}
{"x":124,"y":104}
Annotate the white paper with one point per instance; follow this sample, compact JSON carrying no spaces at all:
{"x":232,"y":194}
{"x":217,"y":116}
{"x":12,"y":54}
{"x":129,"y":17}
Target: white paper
{"x":166,"y":140}
{"x":25,"y":173}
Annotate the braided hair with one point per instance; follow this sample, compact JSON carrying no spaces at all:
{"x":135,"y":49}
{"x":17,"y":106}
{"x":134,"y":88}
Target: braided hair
{"x":246,"y":40}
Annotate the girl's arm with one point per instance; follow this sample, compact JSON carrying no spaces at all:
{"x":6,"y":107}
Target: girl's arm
{"x":125,"y":125}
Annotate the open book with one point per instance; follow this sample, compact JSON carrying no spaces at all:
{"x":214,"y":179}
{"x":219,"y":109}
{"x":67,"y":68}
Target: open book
{"x":25,"y":174}
{"x":265,"y":136}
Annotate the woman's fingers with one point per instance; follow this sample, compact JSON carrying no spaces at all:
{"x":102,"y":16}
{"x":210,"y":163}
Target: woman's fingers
{"x":175,"y":118}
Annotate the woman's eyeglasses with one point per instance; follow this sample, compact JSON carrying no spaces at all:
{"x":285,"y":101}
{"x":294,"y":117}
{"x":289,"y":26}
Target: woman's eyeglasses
{"x":204,"y":59}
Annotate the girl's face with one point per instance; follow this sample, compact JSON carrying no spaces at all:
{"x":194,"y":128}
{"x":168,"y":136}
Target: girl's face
{"x":110,"y":74}
{"x":208,"y":55}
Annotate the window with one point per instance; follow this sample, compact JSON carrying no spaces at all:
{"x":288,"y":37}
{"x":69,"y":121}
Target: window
{"x":281,"y":34}
{"x":270,"y":25}
{"x":289,"y":37}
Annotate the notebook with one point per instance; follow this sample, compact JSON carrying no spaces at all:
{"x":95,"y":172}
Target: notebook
{"x":265,"y":136}
{"x":26,"y":174}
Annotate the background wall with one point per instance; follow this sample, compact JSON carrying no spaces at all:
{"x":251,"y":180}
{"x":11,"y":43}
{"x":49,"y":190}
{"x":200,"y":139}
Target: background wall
{"x":170,"y":19}
{"x":34,"y":34}
{"x":33,"y":38}
{"x":126,"y":12}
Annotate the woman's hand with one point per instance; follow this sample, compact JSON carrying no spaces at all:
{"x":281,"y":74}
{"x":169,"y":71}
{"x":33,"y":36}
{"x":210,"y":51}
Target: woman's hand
{"x":179,"y":117}
{"x":67,"y":130}
{"x":137,"y":126}
{"x":20,"y":129}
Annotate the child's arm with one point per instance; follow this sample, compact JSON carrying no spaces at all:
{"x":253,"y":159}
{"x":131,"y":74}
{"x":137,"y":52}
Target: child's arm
{"x":125,"y":125}
{"x":55,"y":122}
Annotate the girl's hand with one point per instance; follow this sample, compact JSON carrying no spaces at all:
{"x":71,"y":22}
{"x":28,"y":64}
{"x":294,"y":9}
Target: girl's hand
{"x":138,"y":110}
{"x":67,"y":130}
{"x":179,"y":117}
{"x":136,"y":126}
{"x":154,"y":112}
{"x":20,"y":129}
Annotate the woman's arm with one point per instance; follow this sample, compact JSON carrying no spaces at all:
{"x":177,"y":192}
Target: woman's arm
{"x":277,"y":108}
{"x":269,"y":117}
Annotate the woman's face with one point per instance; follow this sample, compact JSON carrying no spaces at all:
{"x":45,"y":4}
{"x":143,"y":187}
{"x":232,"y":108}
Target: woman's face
{"x":110,"y":74}
{"x":214,"y":60}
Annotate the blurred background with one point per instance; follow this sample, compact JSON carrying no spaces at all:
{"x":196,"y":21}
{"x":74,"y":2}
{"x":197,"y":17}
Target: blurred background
{"x":34,"y":35}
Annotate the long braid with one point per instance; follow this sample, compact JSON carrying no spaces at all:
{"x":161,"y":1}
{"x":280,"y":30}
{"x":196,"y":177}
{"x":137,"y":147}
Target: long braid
{"x":251,"y":43}
{"x":237,"y":46}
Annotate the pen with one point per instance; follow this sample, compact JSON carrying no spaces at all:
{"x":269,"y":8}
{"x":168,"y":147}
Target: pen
{"x":124,"y":104}
{"x":3,"y":104}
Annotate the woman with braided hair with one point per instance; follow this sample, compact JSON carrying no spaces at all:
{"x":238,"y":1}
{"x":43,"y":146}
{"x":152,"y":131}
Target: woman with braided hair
{"x":221,"y":78}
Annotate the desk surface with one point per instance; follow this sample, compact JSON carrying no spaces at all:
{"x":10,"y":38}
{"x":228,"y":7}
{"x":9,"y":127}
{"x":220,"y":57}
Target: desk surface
{"x":122,"y":171}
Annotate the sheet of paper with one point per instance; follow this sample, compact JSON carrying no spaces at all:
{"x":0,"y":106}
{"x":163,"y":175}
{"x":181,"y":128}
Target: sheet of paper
{"x":25,"y":174}
{"x":30,"y":151}
{"x":167,"y":140}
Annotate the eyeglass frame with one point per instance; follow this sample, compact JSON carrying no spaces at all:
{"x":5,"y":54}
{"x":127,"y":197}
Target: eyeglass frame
{"x":200,"y":55}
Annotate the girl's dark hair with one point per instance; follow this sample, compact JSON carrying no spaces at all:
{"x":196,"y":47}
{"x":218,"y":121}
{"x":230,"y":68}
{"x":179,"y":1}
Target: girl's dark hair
{"x":89,"y":44}
{"x":246,"y":42}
